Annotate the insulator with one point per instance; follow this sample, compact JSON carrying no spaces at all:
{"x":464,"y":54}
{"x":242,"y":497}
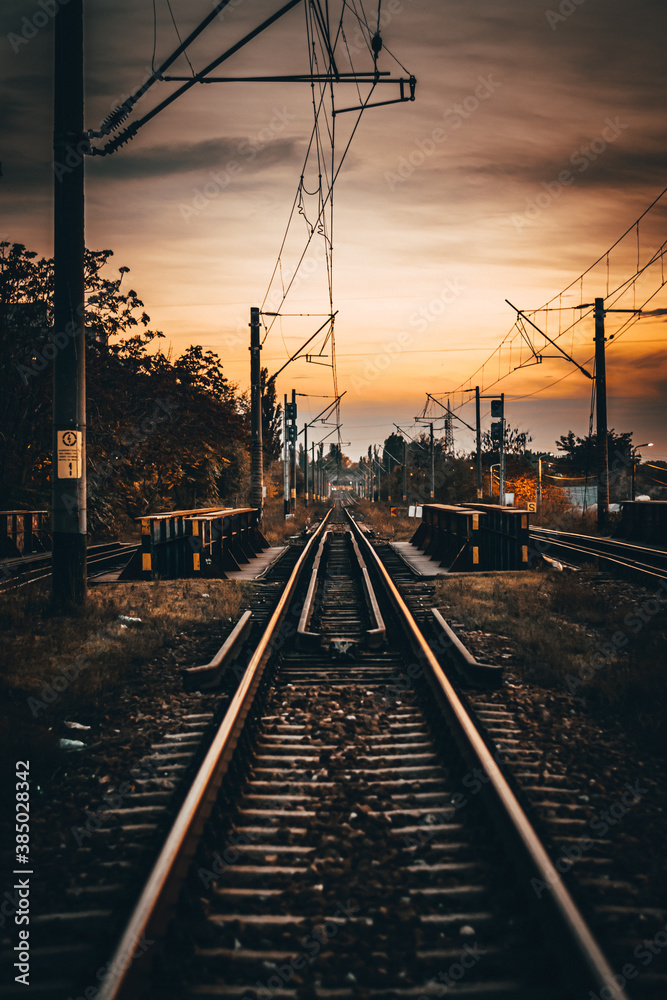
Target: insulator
{"x":121,"y":139}
{"x":116,"y":118}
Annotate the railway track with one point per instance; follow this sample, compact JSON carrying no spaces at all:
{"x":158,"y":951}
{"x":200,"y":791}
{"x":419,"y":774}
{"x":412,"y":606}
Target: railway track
{"x":349,"y":833}
{"x":99,"y":852}
{"x":616,"y":883}
{"x":32,"y":569}
{"x":644,"y":564}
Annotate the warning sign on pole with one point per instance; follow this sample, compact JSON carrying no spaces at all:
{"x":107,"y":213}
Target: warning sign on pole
{"x":69,"y":454}
{"x":393,"y":511}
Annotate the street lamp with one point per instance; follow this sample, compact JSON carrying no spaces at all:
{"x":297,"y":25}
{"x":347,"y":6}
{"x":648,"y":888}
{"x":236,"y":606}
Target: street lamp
{"x":538,"y":496}
{"x":646,"y":444}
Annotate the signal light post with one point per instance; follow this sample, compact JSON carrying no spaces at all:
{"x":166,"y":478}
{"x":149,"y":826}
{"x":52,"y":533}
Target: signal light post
{"x":478,"y":439}
{"x":293,"y":440}
{"x":256,"y":455}
{"x":498,"y":434}
{"x":289,"y":454}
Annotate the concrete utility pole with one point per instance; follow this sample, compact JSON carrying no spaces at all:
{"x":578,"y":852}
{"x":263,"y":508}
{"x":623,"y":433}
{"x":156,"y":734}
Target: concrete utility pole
{"x":68,"y":468}
{"x":538,"y":495}
{"x":305,"y":463}
{"x":405,"y":470}
{"x":256,"y":447}
{"x":501,"y":471}
{"x":432,"y":464}
{"x":601,"y":415}
{"x":601,"y":406}
{"x":478,"y":426}
{"x":286,"y":477}
{"x":293,"y":455}
{"x":312,"y":465}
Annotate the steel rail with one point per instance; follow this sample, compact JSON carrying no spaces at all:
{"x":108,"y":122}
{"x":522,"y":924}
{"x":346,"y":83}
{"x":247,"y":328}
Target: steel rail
{"x":127,"y":974}
{"x":22,"y":576}
{"x":583,"y":961}
{"x":209,"y":675}
{"x":377,"y":634}
{"x":308,"y":604}
{"x":471,"y":670}
{"x":605,"y":544}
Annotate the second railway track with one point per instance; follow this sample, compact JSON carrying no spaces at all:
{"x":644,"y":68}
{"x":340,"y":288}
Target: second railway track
{"x":33,"y":569}
{"x":644,"y":564}
{"x":337,"y":841}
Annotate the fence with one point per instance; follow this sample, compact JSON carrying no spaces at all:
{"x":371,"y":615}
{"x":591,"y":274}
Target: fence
{"x":24,"y":532}
{"x":195,"y":543}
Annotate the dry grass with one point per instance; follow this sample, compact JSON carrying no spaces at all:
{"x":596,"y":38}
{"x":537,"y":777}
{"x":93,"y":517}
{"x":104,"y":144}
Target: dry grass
{"x":393,"y":529}
{"x":545,"y":620}
{"x":277,"y":530}
{"x":75,"y":664}
{"x":596,"y":640}
{"x":574,"y":520}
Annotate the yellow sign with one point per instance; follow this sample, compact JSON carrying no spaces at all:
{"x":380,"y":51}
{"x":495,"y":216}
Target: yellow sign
{"x":70,"y":449}
{"x":393,"y":511}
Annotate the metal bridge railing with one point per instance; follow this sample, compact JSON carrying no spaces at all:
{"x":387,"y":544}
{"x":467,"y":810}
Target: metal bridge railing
{"x":450,"y":535}
{"x":24,"y":533}
{"x":195,"y":543}
{"x":504,"y":536}
{"x":474,"y":537}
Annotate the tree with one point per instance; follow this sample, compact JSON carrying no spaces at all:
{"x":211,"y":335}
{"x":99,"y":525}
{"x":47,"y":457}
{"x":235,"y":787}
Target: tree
{"x":161,"y":432}
{"x":515,"y":441}
{"x":522,"y":482}
{"x":272,"y":415}
{"x":393,"y":450}
{"x":580,"y":454}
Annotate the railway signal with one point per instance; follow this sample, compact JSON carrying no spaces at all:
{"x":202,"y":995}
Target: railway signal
{"x":498,"y":437}
{"x":256,"y":445}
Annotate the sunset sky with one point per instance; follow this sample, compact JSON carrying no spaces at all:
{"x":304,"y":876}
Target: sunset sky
{"x":537,"y":138}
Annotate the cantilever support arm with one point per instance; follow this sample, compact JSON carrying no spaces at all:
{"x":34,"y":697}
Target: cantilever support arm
{"x":519,"y":312}
{"x":296,"y":354}
{"x":449,"y":412}
{"x":131,"y":130}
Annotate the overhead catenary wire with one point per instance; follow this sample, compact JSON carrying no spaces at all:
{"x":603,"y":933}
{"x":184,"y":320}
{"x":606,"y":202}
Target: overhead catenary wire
{"x":628,"y":283}
{"x":178,"y":35}
{"x":320,"y":48}
{"x":120,"y":114}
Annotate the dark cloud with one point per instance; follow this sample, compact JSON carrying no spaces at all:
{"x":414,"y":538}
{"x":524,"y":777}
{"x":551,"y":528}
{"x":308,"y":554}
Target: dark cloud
{"x":211,"y":154}
{"x":557,"y":82}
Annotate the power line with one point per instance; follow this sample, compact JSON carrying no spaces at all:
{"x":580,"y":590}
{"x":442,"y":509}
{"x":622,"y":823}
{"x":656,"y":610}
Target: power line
{"x":121,"y":113}
{"x":178,"y":35}
{"x":613,"y":246}
{"x":516,"y":332}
